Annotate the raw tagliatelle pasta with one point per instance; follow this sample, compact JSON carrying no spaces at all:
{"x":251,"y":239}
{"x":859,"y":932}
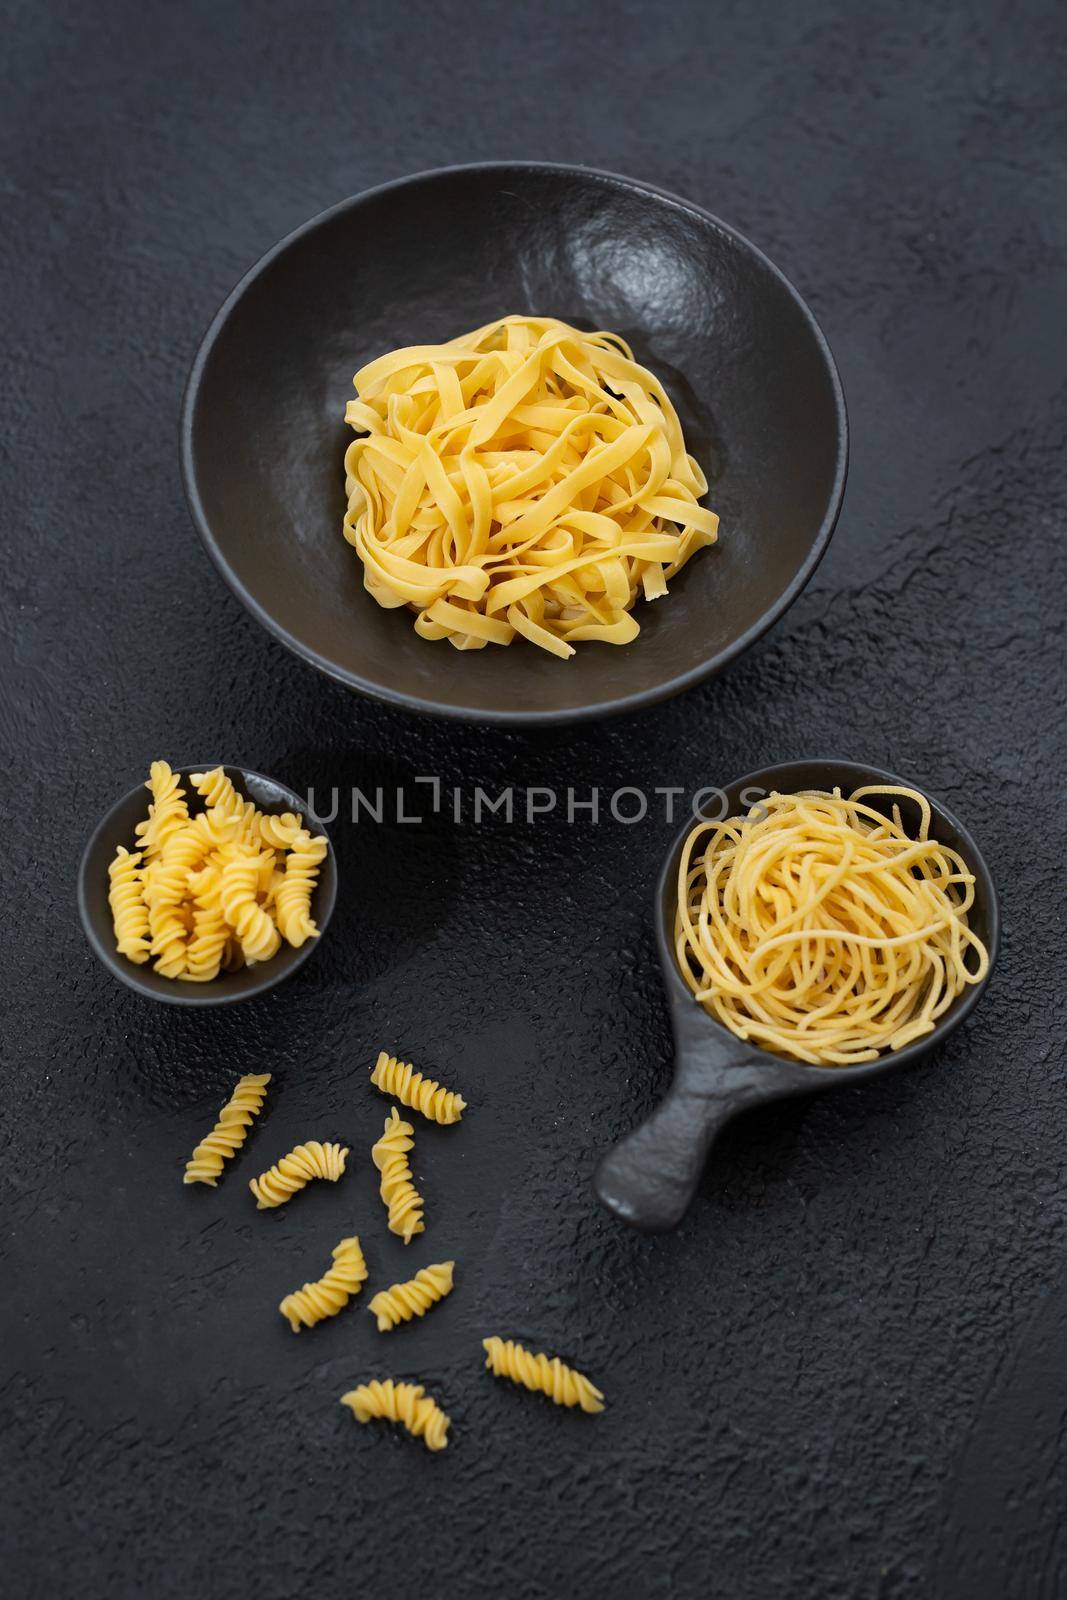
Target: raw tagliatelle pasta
{"x":230,"y":1131}
{"x":207,"y":893}
{"x":331,"y":1293}
{"x":406,"y":1403}
{"x":542,"y":1374}
{"x":524,"y":478}
{"x":821,"y":929}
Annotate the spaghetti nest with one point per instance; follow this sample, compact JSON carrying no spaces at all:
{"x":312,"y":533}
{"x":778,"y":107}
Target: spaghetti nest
{"x":818,"y":928}
{"x":524,"y":478}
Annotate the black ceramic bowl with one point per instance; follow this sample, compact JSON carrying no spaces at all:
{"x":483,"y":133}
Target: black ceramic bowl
{"x":117,"y":827}
{"x":650,"y":1177}
{"x":429,"y":257}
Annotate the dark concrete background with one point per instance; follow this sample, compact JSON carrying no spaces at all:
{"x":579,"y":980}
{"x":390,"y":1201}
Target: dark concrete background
{"x":844,"y":1375}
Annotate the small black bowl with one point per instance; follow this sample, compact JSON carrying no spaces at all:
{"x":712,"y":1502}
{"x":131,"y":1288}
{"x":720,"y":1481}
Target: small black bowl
{"x":117,"y":827}
{"x":650,"y":1177}
{"x":429,"y":257}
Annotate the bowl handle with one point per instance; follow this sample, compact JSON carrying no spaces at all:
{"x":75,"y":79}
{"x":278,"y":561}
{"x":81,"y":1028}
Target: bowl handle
{"x":650,"y":1177}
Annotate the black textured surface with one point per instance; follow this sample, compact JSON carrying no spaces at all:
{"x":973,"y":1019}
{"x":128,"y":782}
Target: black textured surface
{"x":842,"y":1377}
{"x":435,"y":256}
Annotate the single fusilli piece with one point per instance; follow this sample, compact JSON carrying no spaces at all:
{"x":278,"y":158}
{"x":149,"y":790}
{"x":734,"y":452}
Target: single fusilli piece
{"x":206,"y":949}
{"x":292,"y":1172}
{"x":281,"y":831}
{"x":241,"y":908}
{"x":167,"y":813}
{"x":539,"y":1373}
{"x":399,"y":1079}
{"x":406,"y":1403}
{"x":129,"y":913}
{"x":331,"y":1293}
{"x":169,"y":930}
{"x":219,"y":794}
{"x":292,"y":902}
{"x":396,"y":1188}
{"x":414,"y":1298}
{"x":230,"y":1131}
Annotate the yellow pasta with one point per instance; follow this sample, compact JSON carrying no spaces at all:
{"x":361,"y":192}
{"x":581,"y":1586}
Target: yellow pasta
{"x":233,"y":956}
{"x":397,"y":1190}
{"x":406,"y":1403}
{"x":230,"y":1131}
{"x":168,"y":923}
{"x":238,"y":896}
{"x":292,"y":899}
{"x":542,"y":1375}
{"x":525,"y":478}
{"x":280,"y":832}
{"x":820,"y":929}
{"x":209,"y":893}
{"x":128,"y":910}
{"x":312,"y":1160}
{"x":167,"y":813}
{"x":399,"y":1079}
{"x":332,"y":1292}
{"x":219,"y":794}
{"x":414,"y":1298}
{"x":210,"y":935}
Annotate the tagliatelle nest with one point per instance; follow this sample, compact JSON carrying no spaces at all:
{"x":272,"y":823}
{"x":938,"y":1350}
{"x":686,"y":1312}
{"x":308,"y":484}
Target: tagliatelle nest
{"x":525,"y":478}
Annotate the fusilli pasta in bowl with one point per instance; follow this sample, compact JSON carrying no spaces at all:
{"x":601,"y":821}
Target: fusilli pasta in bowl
{"x":185,"y":892}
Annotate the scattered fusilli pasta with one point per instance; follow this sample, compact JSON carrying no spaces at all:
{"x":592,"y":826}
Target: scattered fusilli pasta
{"x":330,"y":1293}
{"x":399,"y":1079}
{"x":230,"y":1131}
{"x":403,"y":1301}
{"x":292,"y":1172}
{"x":397,"y":1190}
{"x":541,"y":1374}
{"x":406,"y":1403}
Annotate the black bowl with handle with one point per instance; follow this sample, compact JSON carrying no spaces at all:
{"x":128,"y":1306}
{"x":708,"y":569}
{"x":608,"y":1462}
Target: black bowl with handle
{"x":436,"y":255}
{"x":117,"y":827}
{"x":649,"y":1178}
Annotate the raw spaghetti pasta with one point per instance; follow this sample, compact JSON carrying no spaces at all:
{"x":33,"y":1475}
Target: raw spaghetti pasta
{"x":821,"y":930}
{"x":525,"y":478}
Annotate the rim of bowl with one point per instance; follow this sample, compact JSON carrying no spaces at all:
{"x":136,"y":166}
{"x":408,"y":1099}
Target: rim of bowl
{"x":820,"y":1076}
{"x":516,"y":716}
{"x":200,"y":996}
